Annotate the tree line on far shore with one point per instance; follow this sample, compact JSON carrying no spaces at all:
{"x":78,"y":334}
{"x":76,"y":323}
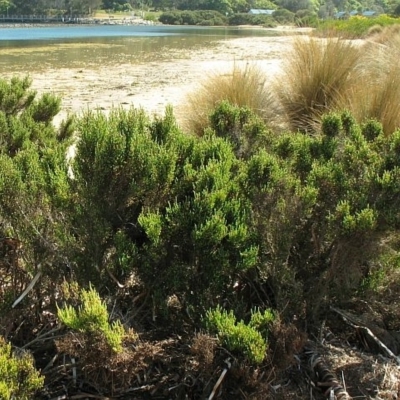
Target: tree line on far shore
{"x":320,"y":8}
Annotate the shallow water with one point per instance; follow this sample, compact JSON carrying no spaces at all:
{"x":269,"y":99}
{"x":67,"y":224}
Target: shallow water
{"x":39,"y":48}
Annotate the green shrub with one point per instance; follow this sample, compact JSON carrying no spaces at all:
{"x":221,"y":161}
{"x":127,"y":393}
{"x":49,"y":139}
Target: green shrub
{"x":249,"y":19}
{"x":18,"y":377}
{"x":261,"y":322}
{"x":242,"y":127}
{"x":92,"y":319}
{"x":171,"y":18}
{"x":199,"y":17}
{"x":150,"y":17}
{"x":331,"y":125}
{"x":305,"y":18}
{"x":371,"y":129}
{"x":247,"y":339}
{"x":216,"y":21}
{"x":171,"y":207}
{"x":34,"y":177}
{"x":328,"y":188}
{"x":357,"y":26}
{"x":283,"y":16}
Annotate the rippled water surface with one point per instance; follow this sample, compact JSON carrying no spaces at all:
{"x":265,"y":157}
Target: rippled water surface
{"x":37,"y":48}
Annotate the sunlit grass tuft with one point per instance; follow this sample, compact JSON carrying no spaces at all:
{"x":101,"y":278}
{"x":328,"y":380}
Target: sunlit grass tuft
{"x":316,"y":77}
{"x":377,"y":94}
{"x":243,"y":86}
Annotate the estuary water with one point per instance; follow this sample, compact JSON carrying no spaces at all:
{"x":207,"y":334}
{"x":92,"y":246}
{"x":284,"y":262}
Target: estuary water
{"x":31,"y":49}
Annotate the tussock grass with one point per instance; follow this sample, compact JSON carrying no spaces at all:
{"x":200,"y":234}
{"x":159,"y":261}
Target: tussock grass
{"x":378,"y":98}
{"x":316,"y":77}
{"x":243,"y":86}
{"x":377,"y":94}
{"x":384,"y":35}
{"x":375,"y":30}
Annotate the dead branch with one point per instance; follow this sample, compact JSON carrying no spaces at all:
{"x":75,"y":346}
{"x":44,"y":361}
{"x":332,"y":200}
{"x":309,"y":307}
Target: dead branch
{"x":367,"y":331}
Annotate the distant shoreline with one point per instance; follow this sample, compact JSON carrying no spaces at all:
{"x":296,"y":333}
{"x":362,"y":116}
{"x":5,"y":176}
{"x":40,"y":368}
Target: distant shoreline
{"x":32,"y":25}
{"x":138,"y":22}
{"x":83,"y":22}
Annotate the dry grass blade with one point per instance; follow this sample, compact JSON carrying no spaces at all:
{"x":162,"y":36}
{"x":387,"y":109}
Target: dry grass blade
{"x":243,"y":86}
{"x":316,"y":77}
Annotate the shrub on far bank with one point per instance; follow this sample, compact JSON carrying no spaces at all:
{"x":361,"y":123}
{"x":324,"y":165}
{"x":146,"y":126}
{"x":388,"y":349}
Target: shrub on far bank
{"x":284,"y":16}
{"x":199,"y":17}
{"x":355,"y":27}
{"x":305,"y":18}
{"x":249,"y":19}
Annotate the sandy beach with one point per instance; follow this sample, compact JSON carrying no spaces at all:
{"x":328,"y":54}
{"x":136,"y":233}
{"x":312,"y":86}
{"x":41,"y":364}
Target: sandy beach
{"x":154,"y":85}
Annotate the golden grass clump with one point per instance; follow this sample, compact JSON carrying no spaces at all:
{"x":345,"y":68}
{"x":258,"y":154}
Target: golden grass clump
{"x":377,"y":94}
{"x":378,"y":99}
{"x":375,"y":30}
{"x":380,"y":34}
{"x":243,"y":86}
{"x":316,"y":77}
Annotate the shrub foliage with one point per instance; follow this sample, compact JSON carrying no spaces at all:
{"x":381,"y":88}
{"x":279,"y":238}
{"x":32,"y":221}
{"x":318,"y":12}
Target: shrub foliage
{"x":146,"y":213}
{"x":18,"y":377}
{"x":249,"y":339}
{"x":92,"y":318}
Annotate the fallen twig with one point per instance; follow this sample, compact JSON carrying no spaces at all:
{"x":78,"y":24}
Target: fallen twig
{"x":28,"y":289}
{"x":221,"y":378}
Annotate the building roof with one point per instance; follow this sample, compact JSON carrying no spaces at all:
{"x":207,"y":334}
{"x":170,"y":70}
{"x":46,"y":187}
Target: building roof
{"x":259,"y":11}
{"x":340,"y":14}
{"x":368,"y":13}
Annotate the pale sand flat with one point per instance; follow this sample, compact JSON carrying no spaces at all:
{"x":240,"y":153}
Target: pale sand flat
{"x":154,"y":85}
